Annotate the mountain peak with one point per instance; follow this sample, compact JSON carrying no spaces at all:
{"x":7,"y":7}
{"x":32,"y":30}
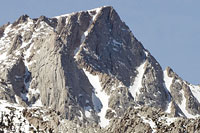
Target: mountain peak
{"x":89,"y":68}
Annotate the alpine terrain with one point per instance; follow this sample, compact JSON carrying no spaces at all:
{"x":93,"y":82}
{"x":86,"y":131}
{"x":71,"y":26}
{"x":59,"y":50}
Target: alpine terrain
{"x":86,"y":72}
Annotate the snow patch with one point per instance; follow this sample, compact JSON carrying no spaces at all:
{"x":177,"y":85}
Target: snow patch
{"x":97,"y":10}
{"x":20,"y":123}
{"x":167,"y":120}
{"x":4,"y":42}
{"x":101,"y":95}
{"x":24,"y":27}
{"x":38,"y":103}
{"x":146,"y":53}
{"x":88,"y":110}
{"x":168,"y":110}
{"x":64,"y":15}
{"x":116,"y":43}
{"x":167,"y":83}
{"x":17,"y":100}
{"x":195,"y":91}
{"x":3,"y":56}
{"x":137,"y":85}
{"x":87,"y":113}
{"x":24,"y":44}
{"x":167,"y":80}
{"x":182,"y":106}
{"x":80,"y":117}
{"x":85,"y":34}
{"x":5,"y":39}
{"x":82,"y":40}
{"x":170,"y":120}
{"x":21,"y":29}
{"x":150,"y":122}
{"x":9,"y":32}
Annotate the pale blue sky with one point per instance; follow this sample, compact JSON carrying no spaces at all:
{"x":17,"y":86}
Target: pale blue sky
{"x":169,"y":29}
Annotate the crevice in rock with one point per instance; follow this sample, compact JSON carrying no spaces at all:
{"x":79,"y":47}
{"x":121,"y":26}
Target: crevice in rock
{"x":27,"y":81}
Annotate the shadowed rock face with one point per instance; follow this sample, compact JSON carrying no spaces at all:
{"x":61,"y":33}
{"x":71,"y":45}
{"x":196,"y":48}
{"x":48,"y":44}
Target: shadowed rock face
{"x":88,"y":66}
{"x":117,"y":54}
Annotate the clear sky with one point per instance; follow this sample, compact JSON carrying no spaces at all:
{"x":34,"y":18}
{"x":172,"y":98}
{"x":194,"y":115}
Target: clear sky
{"x":169,"y":29}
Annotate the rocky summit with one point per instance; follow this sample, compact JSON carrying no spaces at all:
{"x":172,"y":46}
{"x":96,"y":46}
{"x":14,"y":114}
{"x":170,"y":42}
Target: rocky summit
{"x":86,"y":72}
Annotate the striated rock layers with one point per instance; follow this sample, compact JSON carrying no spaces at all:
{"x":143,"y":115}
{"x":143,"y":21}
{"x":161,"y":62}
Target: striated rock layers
{"x":89,"y":68}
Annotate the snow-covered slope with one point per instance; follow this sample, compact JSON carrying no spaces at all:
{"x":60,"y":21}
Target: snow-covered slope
{"x":137,"y":84}
{"x":100,"y":98}
{"x":183,"y":95}
{"x":11,"y":115}
{"x":195,"y":91}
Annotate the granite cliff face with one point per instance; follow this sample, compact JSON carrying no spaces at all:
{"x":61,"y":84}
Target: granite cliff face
{"x":88,"y":69}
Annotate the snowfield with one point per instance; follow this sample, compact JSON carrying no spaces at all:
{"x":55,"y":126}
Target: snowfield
{"x":100,"y":98}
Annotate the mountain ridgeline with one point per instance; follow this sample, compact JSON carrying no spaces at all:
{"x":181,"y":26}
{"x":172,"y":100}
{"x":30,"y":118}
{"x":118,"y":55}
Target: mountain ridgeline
{"x":86,"y":72}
